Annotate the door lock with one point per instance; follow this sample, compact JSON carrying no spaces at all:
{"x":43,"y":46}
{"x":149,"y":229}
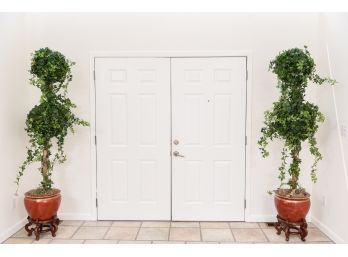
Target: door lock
{"x":177,"y":154}
{"x":176,"y":142}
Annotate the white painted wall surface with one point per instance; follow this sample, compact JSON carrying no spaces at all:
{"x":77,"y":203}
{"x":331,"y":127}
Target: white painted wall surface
{"x":76,"y":35}
{"x":330,"y":195}
{"x":13,"y":108}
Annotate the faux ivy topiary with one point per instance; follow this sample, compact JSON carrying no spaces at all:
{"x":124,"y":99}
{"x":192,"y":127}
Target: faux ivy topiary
{"x":48,"y":123}
{"x":293,"y":119}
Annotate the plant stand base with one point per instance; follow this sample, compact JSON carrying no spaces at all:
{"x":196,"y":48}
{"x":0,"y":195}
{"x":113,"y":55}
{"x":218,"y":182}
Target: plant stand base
{"x":42,"y":226}
{"x":291,"y":228}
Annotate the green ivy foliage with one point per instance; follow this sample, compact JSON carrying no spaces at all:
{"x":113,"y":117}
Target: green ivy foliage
{"x":49,"y":122}
{"x":293,"y":119}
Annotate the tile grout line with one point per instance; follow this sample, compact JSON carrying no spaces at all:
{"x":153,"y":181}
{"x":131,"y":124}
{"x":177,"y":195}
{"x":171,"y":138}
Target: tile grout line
{"x":107,"y":232}
{"x":234,"y":238}
{"x":200,"y":232}
{"x":136,"y":237}
{"x":168,"y":233}
{"x":170,"y":230}
{"x":78,"y":228}
{"x":264,"y":234}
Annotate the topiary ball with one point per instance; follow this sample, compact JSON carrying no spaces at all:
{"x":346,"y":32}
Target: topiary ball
{"x":49,"y":119}
{"x":50,"y":66}
{"x":293,"y":66}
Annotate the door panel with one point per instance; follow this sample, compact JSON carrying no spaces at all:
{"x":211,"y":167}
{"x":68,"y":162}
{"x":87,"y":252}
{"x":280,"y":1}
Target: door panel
{"x":208,"y":120}
{"x":133,"y":131}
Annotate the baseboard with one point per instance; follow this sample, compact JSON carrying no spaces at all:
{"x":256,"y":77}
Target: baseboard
{"x":267,"y":218}
{"x":76,"y":216}
{"x":13,"y":229}
{"x":332,"y":235}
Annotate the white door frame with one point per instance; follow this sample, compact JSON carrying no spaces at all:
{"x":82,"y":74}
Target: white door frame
{"x":169,"y":54}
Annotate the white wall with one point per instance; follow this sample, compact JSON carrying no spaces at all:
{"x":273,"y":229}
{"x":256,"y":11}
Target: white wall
{"x":76,"y":35}
{"x":330,"y":195}
{"x":13,"y":108}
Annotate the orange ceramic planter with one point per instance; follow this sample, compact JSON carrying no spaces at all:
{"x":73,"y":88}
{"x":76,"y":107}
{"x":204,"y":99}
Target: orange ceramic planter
{"x":292,"y":210}
{"x":42,"y":208}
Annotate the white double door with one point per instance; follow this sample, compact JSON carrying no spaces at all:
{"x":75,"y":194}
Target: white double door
{"x":170,"y":138}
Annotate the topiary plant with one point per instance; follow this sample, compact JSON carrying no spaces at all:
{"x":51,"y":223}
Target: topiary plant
{"x":48,"y":123}
{"x":293,"y":119}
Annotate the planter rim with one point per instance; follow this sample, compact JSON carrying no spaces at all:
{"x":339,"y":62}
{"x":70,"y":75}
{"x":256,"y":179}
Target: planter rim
{"x":28,"y":195}
{"x":306,"y":198}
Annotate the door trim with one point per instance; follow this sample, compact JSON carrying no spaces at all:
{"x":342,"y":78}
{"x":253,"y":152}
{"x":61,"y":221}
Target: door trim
{"x":168,"y":54}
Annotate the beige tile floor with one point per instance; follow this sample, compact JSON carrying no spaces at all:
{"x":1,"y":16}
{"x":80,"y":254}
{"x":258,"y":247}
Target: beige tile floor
{"x":162,"y":232}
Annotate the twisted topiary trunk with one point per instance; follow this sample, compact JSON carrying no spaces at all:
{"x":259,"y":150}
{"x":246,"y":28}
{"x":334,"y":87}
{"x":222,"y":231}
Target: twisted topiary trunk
{"x":293,"y":119}
{"x":45,"y":166}
{"x":294,"y":169}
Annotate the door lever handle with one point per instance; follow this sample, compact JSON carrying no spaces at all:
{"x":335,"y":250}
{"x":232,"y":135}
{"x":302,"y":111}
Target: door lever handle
{"x":177,"y":154}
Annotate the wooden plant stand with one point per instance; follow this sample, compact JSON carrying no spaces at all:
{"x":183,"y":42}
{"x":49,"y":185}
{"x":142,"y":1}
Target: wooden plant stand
{"x":42,"y":226}
{"x":291,"y":228}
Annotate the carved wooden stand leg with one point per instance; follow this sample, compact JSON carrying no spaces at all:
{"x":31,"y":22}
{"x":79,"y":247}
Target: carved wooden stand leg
{"x":42,"y":226}
{"x":291,"y":228}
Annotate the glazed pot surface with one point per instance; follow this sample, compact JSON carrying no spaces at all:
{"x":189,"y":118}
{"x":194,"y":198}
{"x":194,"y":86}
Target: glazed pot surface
{"x":42,"y":208}
{"x":293,"y":210}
